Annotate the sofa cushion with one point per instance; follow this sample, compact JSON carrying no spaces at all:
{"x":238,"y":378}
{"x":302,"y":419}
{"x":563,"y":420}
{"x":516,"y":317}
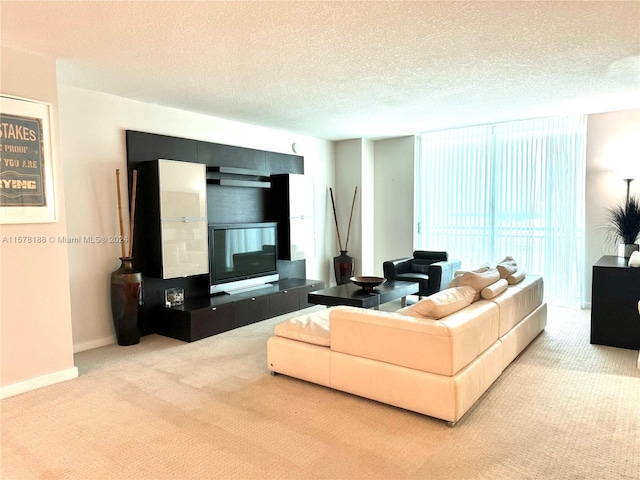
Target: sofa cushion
{"x":312,"y":328}
{"x":495,"y":289}
{"x":507,"y":267}
{"x":516,"y":277}
{"x":442,"y":303}
{"x":479,"y":280}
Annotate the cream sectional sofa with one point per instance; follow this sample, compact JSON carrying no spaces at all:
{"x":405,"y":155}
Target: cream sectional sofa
{"x":437,"y":367}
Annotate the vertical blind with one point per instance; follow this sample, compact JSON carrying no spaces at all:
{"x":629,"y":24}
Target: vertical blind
{"x":516,"y":189}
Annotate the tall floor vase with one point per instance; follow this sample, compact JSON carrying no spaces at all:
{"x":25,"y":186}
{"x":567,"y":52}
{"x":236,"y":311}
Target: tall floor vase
{"x":126,"y":302}
{"x":343,"y":266}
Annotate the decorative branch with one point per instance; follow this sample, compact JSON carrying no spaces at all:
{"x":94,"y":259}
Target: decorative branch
{"x":132,"y":213}
{"x":335,"y":218}
{"x":346,"y":246}
{"x":120,"y":212}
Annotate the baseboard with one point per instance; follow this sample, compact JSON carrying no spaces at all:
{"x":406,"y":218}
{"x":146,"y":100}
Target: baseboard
{"x":81,"y":347}
{"x":39,"y":382}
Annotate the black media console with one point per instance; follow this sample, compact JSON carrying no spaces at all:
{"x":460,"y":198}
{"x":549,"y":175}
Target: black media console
{"x":205,"y":316}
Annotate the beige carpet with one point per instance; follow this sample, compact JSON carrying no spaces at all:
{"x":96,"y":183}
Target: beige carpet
{"x":165,"y":409}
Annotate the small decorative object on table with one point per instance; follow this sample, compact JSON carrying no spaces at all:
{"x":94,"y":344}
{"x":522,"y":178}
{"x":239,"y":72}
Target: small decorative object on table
{"x":174,"y":297}
{"x":634,"y":259}
{"x":368,"y":283}
{"x":343,"y":265}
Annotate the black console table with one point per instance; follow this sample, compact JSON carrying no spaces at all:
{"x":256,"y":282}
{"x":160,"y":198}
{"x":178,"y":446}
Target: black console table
{"x":203,"y":317}
{"x":354,"y":296}
{"x":614,"y":303}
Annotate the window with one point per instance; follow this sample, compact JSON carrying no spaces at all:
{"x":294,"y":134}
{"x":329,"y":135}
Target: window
{"x":508,"y":189}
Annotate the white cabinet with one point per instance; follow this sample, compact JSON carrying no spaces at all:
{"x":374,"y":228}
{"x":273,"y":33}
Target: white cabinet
{"x":183,"y":218}
{"x":171,"y":234}
{"x":294,"y":210}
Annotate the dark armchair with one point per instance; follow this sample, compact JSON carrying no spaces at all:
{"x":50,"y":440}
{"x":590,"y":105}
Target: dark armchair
{"x":432,"y":270}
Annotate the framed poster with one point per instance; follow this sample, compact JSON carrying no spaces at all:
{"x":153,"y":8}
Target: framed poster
{"x":26,"y":171}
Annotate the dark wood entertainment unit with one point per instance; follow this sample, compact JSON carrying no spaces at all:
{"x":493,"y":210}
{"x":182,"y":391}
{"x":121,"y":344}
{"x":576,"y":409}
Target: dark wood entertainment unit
{"x":239,"y":189}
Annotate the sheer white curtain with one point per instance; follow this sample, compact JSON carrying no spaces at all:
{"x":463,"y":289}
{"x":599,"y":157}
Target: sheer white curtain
{"x":509,"y":189}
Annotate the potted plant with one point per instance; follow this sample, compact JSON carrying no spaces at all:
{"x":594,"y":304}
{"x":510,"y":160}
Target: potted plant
{"x":623,"y":226}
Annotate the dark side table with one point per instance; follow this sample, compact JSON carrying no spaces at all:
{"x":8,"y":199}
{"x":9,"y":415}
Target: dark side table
{"x":615,"y":320}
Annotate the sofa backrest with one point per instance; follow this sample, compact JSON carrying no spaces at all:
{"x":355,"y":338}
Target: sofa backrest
{"x":443,"y":346}
{"x":438,"y":346}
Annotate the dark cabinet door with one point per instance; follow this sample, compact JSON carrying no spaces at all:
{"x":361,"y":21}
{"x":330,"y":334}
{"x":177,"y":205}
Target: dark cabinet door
{"x":211,"y":321}
{"x":251,"y":310}
{"x":284,"y":301}
{"x":191,"y":325}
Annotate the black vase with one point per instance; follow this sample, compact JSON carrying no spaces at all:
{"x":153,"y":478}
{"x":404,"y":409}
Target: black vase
{"x":344,"y":266}
{"x":126,"y":302}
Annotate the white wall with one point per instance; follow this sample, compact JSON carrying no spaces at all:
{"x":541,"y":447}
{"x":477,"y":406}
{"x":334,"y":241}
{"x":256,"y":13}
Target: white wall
{"x":367,"y":208}
{"x":348,"y":168}
{"x":393,"y":200}
{"x":92,"y":130}
{"x":383,"y":221}
{"x":35,"y":315}
{"x":613,"y":139}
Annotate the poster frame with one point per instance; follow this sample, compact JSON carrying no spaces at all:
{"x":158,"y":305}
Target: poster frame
{"x":31,"y":110}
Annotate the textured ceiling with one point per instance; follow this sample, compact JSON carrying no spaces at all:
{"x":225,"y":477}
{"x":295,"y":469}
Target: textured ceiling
{"x":340,"y":69}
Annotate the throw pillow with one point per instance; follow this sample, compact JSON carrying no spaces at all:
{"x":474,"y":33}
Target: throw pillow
{"x":456,"y":280}
{"x":442,"y":303}
{"x":479,"y":280}
{"x":482,"y":268}
{"x":494,"y":289}
{"x":458,"y":275}
{"x":516,"y":277}
{"x":507,"y":267}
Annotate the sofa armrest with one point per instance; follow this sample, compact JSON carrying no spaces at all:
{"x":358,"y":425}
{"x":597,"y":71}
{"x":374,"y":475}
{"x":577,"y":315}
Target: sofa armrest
{"x":393,"y":267}
{"x":441,"y":274}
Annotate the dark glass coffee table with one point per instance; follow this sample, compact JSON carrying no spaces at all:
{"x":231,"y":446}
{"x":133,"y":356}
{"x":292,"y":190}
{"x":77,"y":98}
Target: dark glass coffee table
{"x":354,"y":296}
